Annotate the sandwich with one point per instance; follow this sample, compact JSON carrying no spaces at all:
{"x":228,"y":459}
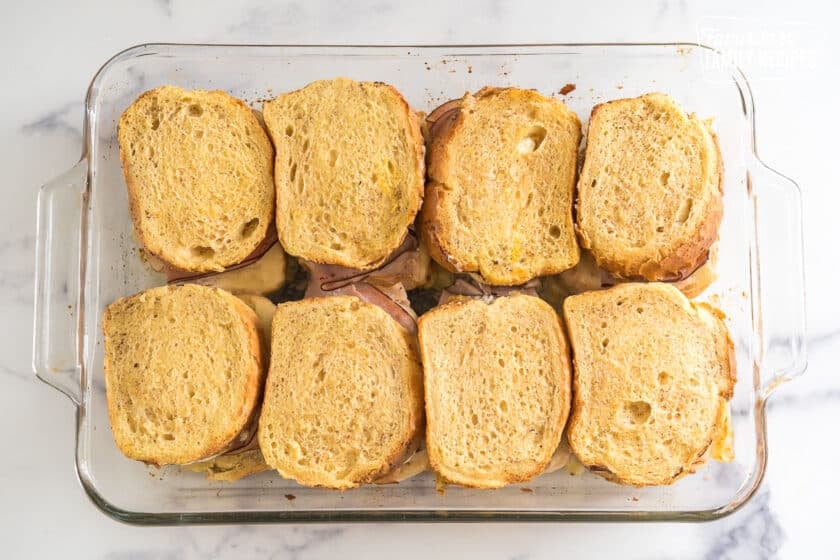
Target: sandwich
{"x":184,"y":369}
{"x":649,"y":200}
{"x":344,"y":394}
{"x":653,"y":376}
{"x":497,"y":384}
{"x":348,"y":171}
{"x":502,"y":167}
{"x":199,"y":170}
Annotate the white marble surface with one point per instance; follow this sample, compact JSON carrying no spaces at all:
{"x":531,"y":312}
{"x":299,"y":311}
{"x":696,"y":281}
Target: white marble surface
{"x":51,"y":50}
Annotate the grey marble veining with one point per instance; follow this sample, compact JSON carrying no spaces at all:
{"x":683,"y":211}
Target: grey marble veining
{"x":165,"y":6}
{"x":66,"y":118}
{"x":757,"y":535}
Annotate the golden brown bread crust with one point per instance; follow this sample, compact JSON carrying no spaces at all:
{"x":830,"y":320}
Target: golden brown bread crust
{"x":420,"y":157}
{"x":249,"y":407}
{"x":684,"y":259}
{"x":725,"y":348}
{"x":444,"y":123}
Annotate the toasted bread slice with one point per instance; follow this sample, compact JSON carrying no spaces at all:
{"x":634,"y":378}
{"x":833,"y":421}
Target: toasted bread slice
{"x":344,"y":396}
{"x":349,"y":171}
{"x":497,"y":380}
{"x":199,"y":170}
{"x":652,"y":373}
{"x":183,"y":372}
{"x":502,"y":167}
{"x":650,"y":192}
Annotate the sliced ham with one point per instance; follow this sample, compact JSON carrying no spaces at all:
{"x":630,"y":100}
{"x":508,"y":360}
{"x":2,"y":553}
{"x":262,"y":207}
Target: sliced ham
{"x":443,"y":117}
{"x":470,"y":286}
{"x":408,"y":265}
{"x":393,"y":299}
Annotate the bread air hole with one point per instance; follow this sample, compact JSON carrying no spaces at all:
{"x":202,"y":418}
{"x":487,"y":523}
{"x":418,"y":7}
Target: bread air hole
{"x":532,"y":141}
{"x":664,"y":178}
{"x":293,"y":173}
{"x":249,"y":227}
{"x":638,"y":412}
{"x":196,"y":110}
{"x":664,"y":378}
{"x":202,"y":251}
{"x":685,"y":210}
{"x":289,"y":130}
{"x":333,"y":157}
{"x":554,"y":231}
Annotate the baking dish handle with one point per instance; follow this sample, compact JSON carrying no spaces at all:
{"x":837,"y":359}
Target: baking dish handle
{"x":56,"y":353}
{"x":779,"y":279}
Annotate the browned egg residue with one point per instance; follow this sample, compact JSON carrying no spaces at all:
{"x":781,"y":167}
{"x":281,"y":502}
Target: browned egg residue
{"x":567,"y":89}
{"x":291,"y":497}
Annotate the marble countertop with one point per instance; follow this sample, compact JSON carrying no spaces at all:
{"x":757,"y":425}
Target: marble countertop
{"x":52,"y":50}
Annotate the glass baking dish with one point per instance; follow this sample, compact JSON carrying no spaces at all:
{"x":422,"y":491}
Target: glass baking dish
{"x":87,"y":257}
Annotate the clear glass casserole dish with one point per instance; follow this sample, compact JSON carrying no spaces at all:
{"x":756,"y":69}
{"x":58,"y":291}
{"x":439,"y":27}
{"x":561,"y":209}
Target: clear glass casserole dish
{"x":87,"y":257}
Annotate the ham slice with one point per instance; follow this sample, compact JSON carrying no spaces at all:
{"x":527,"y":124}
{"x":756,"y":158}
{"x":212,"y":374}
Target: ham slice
{"x":393,"y":299}
{"x":407,"y":265}
{"x":442,"y":118}
{"x":405,"y":269}
{"x":470,"y":286}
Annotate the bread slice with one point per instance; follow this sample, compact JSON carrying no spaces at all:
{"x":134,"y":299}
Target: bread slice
{"x":652,"y":373}
{"x":502,"y":167}
{"x":497,"y":380}
{"x":650,"y":192}
{"x":183,"y":372}
{"x":349,"y":171}
{"x":199,"y":170}
{"x":344,"y":397}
